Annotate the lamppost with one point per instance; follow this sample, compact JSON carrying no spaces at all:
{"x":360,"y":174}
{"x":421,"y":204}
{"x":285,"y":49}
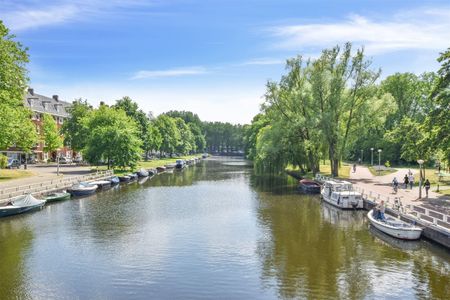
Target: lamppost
{"x":420,"y":162}
{"x":362,"y":156}
{"x":379,"y":161}
{"x":371,"y":156}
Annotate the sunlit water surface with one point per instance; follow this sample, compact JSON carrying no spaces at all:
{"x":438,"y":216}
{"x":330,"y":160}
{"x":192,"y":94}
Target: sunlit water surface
{"x":214,"y":230}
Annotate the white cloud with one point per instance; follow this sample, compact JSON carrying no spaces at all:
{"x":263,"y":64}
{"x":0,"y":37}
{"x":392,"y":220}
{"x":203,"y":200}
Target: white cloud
{"x":413,"y":30}
{"x":33,"y":14}
{"x":169,"y":73}
{"x":32,"y":18}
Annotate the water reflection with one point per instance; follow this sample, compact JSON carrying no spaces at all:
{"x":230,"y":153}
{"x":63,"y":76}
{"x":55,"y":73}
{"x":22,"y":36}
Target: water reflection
{"x":15,"y":242}
{"x":310,"y":249}
{"x":213,"y":230}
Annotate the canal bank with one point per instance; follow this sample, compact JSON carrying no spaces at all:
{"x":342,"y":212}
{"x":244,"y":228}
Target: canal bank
{"x":215,"y":230}
{"x":435,"y":224}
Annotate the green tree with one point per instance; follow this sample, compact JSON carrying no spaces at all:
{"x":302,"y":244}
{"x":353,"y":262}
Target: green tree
{"x":169,"y":132}
{"x":186,"y":142}
{"x":50,"y":134}
{"x":437,"y":123}
{"x":132,"y":110}
{"x":199,"y":137}
{"x":113,"y":138}
{"x":75,"y":134}
{"x":153,"y":139}
{"x":15,"y":122}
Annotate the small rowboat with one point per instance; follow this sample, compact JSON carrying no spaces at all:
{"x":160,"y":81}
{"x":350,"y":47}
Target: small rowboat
{"x":57,"y":197}
{"x":102,"y":184}
{"x":133,"y":176}
{"x":114,"y":180}
{"x":309,"y":186}
{"x":395,"y":227}
{"x":142,"y":173}
{"x":124,"y":178}
{"x":161,"y":169}
{"x":20,"y":205}
{"x":82,"y":189}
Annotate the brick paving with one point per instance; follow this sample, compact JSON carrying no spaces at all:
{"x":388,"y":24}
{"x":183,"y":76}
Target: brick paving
{"x":382,"y":185}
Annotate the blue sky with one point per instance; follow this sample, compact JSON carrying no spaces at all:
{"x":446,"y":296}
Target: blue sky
{"x":211,"y":57}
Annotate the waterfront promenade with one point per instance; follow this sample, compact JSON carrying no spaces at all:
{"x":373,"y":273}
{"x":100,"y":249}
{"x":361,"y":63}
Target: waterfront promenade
{"x":382,"y":185}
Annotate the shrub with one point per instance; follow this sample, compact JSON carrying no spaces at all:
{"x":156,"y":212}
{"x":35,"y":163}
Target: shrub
{"x":3,"y":161}
{"x":387,"y":164}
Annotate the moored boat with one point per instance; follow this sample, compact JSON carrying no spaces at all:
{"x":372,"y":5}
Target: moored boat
{"x":133,"y":176}
{"x":82,"y":189}
{"x":102,"y":184}
{"x":309,"y":186}
{"x":142,"y":173}
{"x":395,"y":227}
{"x":341,"y":194}
{"x":170,"y":166}
{"x":20,"y":205}
{"x":152,"y":172}
{"x":114,"y":180}
{"x":160,"y":169}
{"x":57,"y":197}
{"x":180,"y":164}
{"x":124,"y":178}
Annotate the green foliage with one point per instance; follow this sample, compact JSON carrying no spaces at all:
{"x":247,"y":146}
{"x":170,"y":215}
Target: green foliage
{"x":75,"y":134}
{"x":50,"y":134}
{"x":113,"y":137}
{"x":3,"y":161}
{"x":152,"y":139}
{"x":387,"y":164}
{"x":132,"y":110}
{"x":223,"y":137}
{"x":170,"y":134}
{"x":186,"y":143}
{"x":15,"y":123}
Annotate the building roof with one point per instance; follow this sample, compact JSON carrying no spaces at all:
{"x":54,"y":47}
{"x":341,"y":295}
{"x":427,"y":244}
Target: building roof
{"x":43,"y":104}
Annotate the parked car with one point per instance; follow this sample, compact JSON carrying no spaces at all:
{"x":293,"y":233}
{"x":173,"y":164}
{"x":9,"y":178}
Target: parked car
{"x":78,"y":160}
{"x":13,"y":163}
{"x":65,"y":160}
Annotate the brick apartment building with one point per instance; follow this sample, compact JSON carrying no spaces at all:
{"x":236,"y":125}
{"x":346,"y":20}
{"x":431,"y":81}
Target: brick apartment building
{"x":39,"y":105}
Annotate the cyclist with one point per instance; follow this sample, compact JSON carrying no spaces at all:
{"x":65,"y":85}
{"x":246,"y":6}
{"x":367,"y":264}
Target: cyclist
{"x":395,"y":184}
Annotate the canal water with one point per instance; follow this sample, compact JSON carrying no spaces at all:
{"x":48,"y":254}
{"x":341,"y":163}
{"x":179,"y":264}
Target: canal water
{"x":214,"y":230}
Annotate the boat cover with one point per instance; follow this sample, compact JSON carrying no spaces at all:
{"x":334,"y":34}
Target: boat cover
{"x":27,"y":200}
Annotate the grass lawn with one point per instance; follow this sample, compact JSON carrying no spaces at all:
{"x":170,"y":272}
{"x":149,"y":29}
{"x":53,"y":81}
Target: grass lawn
{"x":6,"y":174}
{"x":325,"y":169}
{"x":432,"y":175}
{"x":151,"y":164}
{"x":444,"y":192}
{"x":382,"y":172}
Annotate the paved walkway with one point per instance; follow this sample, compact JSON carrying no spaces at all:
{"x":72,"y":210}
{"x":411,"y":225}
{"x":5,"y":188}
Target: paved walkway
{"x":45,"y":173}
{"x":383,"y":185}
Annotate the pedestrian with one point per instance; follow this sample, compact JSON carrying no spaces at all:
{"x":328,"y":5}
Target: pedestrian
{"x":409,"y":172}
{"x":406,"y":181}
{"x":411,"y":180}
{"x":395,"y":184}
{"x":354,"y":168}
{"x":381,"y":210}
{"x":427,"y":186}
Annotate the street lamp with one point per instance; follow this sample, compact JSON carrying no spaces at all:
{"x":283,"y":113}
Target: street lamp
{"x":379,"y":161}
{"x":420,"y":162}
{"x":371,"y":156}
{"x":362,"y":156}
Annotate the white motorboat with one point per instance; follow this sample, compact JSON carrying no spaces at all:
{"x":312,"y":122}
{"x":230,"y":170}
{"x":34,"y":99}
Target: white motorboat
{"x":341,"y":194}
{"x":395,"y":227}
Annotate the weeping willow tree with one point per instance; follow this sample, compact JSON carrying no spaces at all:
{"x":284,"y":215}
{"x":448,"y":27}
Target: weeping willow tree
{"x":315,"y":109}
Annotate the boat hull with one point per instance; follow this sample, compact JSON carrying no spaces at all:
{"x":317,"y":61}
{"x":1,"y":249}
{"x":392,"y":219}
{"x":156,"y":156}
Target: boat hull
{"x":57,"y":197}
{"x":82,"y":192}
{"x":309,"y":187}
{"x":114,"y":180}
{"x":5,"y":212}
{"x":124,"y":178}
{"x":404,"y":233}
